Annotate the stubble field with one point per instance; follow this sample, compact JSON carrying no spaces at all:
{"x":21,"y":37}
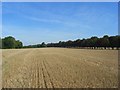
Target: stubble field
{"x":59,"y":68}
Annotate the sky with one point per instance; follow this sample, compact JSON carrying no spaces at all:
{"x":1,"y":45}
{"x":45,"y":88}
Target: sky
{"x":36,"y":22}
{"x":60,"y":0}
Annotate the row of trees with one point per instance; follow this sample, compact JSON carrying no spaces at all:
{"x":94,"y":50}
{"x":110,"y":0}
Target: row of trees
{"x":93,"y":43}
{"x":10,"y":42}
{"x":36,"y":46}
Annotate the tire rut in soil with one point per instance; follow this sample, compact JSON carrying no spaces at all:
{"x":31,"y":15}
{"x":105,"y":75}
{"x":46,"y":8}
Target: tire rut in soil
{"x":43,"y":74}
{"x":48,"y":74}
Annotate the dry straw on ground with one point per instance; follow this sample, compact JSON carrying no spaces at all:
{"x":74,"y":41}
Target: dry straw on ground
{"x":59,"y":68}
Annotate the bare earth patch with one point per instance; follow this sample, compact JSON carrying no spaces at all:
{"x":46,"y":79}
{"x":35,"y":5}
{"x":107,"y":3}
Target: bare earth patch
{"x":59,"y":68}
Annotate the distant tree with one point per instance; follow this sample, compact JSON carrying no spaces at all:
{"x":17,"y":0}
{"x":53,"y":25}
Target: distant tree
{"x":77,"y":43}
{"x":18,"y":44}
{"x":69,"y":43}
{"x":60,"y":44}
{"x":43,"y":44}
{"x":98,"y":43}
{"x":88,"y":43}
{"x":38,"y":45}
{"x":63,"y":44}
{"x":105,"y":41}
{"x":105,"y":36}
{"x":9,"y":42}
{"x":114,"y":41}
{"x":83,"y":42}
{"x":93,"y":42}
{"x":118,"y":42}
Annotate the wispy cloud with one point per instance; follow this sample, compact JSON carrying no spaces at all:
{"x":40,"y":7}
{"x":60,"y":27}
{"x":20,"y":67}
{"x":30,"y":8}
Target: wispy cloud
{"x":43,"y":20}
{"x":45,"y":16}
{"x":68,"y":23}
{"x":58,"y":21}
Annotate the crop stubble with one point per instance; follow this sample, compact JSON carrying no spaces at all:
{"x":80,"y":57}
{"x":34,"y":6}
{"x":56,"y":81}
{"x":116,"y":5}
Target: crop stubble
{"x":59,"y":68}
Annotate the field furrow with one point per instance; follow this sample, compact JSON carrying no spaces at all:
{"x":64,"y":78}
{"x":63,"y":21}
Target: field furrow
{"x":59,"y":68}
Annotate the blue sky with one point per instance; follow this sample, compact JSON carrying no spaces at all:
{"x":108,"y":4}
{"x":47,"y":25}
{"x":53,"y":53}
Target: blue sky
{"x":33,"y":23}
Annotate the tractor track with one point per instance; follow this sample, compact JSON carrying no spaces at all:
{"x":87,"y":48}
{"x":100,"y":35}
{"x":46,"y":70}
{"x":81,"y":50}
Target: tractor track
{"x":48,"y":74}
{"x":45,"y":83}
{"x":59,"y":68}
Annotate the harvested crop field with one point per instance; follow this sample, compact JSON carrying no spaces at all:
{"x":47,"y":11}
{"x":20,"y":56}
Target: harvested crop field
{"x":59,"y":68}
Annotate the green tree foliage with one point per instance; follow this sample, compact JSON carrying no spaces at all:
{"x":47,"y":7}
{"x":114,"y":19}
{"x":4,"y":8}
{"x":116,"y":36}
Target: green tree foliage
{"x":43,"y":44}
{"x":105,"y":41}
{"x":10,"y":42}
{"x":36,"y":46}
{"x":93,"y":42}
{"x":18,"y":44}
{"x":114,"y":41}
{"x":76,"y":43}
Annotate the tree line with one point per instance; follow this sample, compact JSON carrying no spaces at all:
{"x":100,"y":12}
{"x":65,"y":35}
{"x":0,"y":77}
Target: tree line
{"x":10,"y":43}
{"x":92,"y":43}
{"x":36,"y":46}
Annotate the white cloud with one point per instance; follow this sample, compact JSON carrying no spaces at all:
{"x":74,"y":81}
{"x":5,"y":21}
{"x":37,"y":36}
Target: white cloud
{"x":43,"y":20}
